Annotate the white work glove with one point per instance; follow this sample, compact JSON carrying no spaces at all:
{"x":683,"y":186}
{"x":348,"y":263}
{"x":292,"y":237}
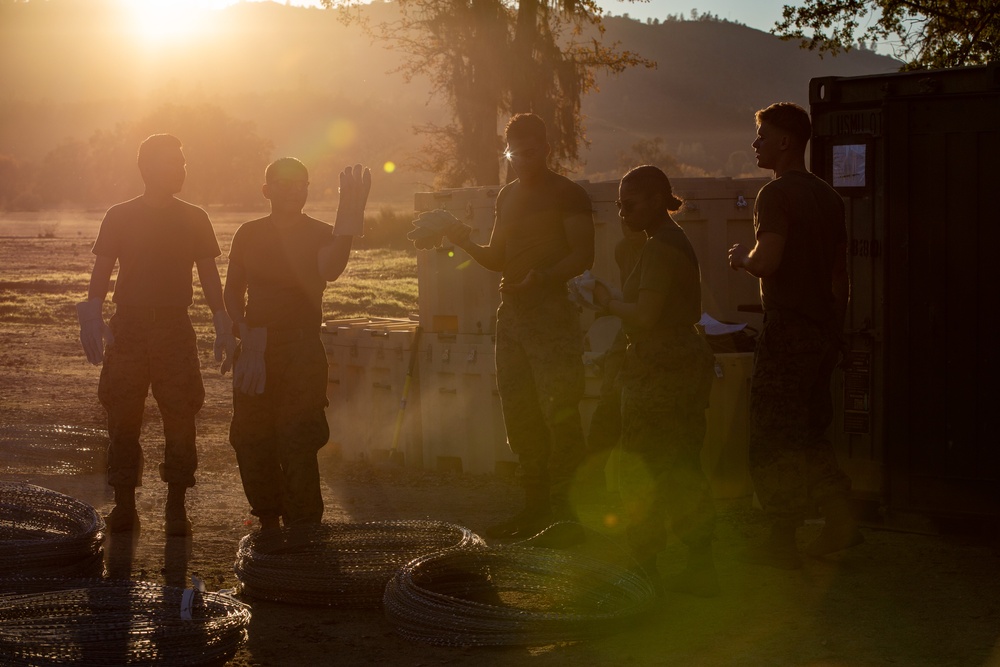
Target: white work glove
{"x":94,"y":332}
{"x":355,"y":184}
{"x":225,"y":341}
{"x":430,"y":228}
{"x":249,"y":373}
{"x":581,"y":290}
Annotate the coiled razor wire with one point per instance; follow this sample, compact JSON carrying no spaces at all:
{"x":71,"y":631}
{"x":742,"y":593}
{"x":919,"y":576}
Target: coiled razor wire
{"x":106,"y":622}
{"x":338,"y":564}
{"x":512,"y":596}
{"x":47,"y":533}
{"x":40,"y":449}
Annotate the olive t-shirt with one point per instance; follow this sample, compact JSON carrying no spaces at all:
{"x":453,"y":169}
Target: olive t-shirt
{"x":284,"y":286}
{"x":668,"y":265}
{"x":533,"y":219}
{"x":156,"y":249}
{"x":809,"y":214}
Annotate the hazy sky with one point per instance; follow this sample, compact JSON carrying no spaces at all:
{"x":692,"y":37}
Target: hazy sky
{"x":760,"y":14}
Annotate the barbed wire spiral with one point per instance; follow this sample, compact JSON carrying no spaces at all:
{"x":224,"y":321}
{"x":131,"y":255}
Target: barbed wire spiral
{"x":512,"y":596}
{"x":96,"y":623}
{"x":46,"y":533}
{"x":338,"y":564}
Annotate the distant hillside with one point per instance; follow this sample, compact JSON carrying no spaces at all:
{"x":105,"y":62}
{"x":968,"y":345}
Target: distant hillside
{"x":68,"y":70}
{"x":711,"y":77}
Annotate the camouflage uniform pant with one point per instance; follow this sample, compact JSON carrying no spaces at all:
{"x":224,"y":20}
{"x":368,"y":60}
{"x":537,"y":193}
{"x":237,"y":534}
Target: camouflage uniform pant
{"x":276,"y":434}
{"x":539,"y":363}
{"x":158,"y":349}
{"x":666,"y":384}
{"x":792,"y":462}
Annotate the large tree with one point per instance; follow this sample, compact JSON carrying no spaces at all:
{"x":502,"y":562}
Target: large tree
{"x":921,"y":33}
{"x":490,"y":59}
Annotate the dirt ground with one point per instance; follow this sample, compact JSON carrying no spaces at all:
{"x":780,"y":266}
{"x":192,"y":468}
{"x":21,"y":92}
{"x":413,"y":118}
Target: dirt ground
{"x":902,"y":598}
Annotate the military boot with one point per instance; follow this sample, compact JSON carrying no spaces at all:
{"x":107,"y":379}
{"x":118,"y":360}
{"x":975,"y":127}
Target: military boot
{"x":840,"y":529}
{"x":534,"y":517}
{"x":123,"y":517}
{"x":176,"y":522}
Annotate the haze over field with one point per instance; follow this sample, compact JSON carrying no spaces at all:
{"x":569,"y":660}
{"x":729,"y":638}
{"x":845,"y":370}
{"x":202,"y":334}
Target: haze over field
{"x":79,"y":73}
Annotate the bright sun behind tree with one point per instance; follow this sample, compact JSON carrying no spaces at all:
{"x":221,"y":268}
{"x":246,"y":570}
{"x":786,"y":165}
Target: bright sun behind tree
{"x":157,"y":22}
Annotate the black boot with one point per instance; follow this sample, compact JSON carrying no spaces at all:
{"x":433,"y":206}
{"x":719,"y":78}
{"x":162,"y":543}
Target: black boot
{"x":840,"y":530}
{"x":123,"y":517}
{"x":535,"y":516}
{"x":564,"y":532}
{"x":176,"y":522}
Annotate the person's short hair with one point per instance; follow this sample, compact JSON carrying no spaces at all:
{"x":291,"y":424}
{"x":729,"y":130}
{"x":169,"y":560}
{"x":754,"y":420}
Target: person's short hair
{"x":154,"y":147}
{"x":650,"y":181}
{"x":525,"y":126}
{"x":787,"y":117}
{"x":285,"y":168}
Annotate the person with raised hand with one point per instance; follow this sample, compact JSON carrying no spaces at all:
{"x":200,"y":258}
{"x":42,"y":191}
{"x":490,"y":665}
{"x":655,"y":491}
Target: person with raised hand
{"x":279,"y":266}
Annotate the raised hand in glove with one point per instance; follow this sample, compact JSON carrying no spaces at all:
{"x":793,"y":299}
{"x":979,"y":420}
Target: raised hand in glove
{"x":94,"y":332}
{"x":249,"y":372}
{"x":225,"y":341}
{"x":355,"y":185}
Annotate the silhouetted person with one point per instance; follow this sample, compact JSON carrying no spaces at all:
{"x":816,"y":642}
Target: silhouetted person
{"x":543,"y":235}
{"x":155,"y":239}
{"x":800,"y":257}
{"x":666,"y":382}
{"x":279,"y":266}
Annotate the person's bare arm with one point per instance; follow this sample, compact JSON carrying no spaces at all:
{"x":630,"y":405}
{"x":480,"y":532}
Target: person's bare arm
{"x":642,"y":314}
{"x":100,"y":278}
{"x":236,"y":292}
{"x":332,"y":258}
{"x":763,"y":259}
{"x":211,"y":284}
{"x":490,"y":256}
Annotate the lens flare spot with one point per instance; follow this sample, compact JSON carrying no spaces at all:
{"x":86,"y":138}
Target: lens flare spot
{"x":389,"y":167}
{"x":611,"y":520}
{"x":341,"y":133}
{"x":451,"y":253}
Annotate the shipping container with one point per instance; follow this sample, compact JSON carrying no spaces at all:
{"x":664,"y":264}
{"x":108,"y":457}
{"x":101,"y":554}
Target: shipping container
{"x":915,"y":156}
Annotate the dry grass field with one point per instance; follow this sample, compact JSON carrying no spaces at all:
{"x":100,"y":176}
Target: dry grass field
{"x":903,"y":599}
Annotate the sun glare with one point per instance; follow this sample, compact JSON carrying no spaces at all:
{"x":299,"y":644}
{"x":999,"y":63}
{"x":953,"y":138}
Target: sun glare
{"x":159,"y":21}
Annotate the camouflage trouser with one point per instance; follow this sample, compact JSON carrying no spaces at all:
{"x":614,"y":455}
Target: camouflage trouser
{"x":792,"y":462}
{"x":666,"y":384}
{"x":276,"y":434}
{"x":154,"y":348}
{"x":539,"y":363}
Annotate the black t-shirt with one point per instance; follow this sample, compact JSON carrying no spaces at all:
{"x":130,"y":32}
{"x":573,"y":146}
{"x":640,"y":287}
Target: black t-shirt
{"x":533,"y":218}
{"x":668,"y":265}
{"x":809,"y":214}
{"x":284,"y":287}
{"x":156,"y":248}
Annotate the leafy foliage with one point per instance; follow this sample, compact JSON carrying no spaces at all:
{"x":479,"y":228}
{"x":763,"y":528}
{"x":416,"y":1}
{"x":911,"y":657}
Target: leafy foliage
{"x":494,"y":58}
{"x":922,"y":33}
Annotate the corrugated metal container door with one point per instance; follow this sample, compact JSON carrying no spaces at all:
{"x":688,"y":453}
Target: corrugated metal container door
{"x":942,"y":301}
{"x":917,"y":158}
